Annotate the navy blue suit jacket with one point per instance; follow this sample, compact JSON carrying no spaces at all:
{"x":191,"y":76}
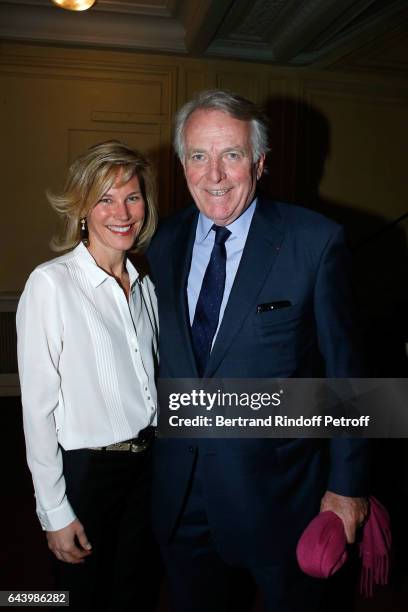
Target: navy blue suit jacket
{"x":260,"y":493}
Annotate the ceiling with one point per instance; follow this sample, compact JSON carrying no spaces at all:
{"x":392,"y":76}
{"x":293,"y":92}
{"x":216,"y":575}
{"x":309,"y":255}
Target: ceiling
{"x":285,"y":32}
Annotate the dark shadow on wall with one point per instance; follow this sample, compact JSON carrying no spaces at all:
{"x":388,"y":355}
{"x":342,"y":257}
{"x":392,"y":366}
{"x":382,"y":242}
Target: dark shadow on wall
{"x":300,"y":137}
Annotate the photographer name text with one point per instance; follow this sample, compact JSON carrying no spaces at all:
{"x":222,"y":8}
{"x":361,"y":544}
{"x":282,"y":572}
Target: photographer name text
{"x":269,"y":421}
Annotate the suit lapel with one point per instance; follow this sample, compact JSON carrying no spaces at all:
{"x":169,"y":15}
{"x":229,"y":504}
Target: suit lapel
{"x":181,"y":261}
{"x":264,"y":240}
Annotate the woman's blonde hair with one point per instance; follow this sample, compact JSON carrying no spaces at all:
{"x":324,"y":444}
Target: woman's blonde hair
{"x":89,"y":177}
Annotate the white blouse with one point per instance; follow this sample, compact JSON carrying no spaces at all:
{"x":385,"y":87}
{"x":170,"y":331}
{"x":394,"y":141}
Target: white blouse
{"x":86,"y":360}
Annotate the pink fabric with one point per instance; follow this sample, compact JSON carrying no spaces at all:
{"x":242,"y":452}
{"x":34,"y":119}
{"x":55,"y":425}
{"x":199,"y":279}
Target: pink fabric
{"x":322,"y":548}
{"x":375,"y":548}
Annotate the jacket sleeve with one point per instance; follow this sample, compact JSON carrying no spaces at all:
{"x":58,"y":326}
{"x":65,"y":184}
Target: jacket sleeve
{"x":340,"y":347}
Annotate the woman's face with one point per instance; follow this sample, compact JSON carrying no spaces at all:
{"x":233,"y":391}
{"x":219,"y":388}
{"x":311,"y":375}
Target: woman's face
{"x":115,"y":221}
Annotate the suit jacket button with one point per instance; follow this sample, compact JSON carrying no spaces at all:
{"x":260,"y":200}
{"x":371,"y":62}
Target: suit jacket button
{"x":191,"y":449}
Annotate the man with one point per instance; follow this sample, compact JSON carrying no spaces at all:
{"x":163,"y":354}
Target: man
{"x":247,"y":288}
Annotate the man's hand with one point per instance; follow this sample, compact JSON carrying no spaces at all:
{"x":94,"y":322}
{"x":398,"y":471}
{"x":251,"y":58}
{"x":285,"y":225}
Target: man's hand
{"x":351,"y":510}
{"x":64,"y":546}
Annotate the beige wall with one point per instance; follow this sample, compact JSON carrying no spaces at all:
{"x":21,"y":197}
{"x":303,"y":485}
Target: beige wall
{"x":54,"y":102}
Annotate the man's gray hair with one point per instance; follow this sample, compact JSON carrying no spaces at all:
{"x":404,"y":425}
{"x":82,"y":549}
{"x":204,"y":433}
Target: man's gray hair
{"x":231,"y":104}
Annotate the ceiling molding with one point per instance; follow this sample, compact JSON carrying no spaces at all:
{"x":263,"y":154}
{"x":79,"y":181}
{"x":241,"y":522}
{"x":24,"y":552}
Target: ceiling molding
{"x":297,"y":26}
{"x":50,"y":24}
{"x":201,"y":21}
{"x":316,"y":33}
{"x":370,"y":31}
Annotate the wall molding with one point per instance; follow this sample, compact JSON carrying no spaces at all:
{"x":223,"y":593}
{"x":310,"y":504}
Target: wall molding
{"x":9,"y":301}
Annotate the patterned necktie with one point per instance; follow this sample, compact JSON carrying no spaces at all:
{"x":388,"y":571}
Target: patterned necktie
{"x":207,"y":311}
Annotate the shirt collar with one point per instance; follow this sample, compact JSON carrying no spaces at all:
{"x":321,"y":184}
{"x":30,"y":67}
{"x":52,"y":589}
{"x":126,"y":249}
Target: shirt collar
{"x":95,"y":274}
{"x":238,"y":228}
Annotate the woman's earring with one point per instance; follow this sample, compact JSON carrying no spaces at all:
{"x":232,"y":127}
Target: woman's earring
{"x":84,"y":233}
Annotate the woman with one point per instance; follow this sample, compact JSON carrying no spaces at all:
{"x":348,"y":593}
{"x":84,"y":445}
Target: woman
{"x":87,"y":347}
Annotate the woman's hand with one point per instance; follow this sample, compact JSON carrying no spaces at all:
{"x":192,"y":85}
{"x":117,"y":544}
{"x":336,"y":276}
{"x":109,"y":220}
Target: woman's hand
{"x":70,"y":543}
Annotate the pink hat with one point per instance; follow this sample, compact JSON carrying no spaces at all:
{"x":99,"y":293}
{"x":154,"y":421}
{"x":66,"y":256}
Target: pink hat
{"x":322,"y":548}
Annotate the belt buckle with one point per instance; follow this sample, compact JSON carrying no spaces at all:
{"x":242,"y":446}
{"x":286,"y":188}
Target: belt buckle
{"x":139,"y":447}
{"x":133,"y":447}
{"x":119,"y":446}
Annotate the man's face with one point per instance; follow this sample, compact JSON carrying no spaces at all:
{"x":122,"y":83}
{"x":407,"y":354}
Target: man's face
{"x":219,"y":168}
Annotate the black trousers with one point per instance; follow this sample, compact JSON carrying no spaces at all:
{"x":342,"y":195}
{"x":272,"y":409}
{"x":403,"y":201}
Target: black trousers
{"x":109,"y":492}
{"x":200,"y":580}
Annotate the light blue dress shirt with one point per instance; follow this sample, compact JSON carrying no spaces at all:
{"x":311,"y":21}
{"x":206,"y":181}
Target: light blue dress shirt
{"x":203,"y":245}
